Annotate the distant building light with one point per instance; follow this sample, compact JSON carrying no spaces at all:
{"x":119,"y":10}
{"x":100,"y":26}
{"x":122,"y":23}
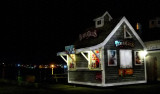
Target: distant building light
{"x":35,"y":66}
{"x":40,"y":66}
{"x":65,"y":66}
{"x":52,"y":66}
{"x":18,"y":65}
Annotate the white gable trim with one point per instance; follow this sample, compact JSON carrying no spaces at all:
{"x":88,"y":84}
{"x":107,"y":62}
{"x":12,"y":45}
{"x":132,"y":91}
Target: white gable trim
{"x":61,"y":53}
{"x":130,"y":27}
{"x":134,"y":32}
{"x":126,"y":32}
{"x":111,"y":34}
{"x":106,"y":13}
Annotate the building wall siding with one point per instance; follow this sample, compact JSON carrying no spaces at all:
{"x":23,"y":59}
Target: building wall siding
{"x":82,"y":73}
{"x":81,"y":62}
{"x":87,"y":76}
{"x":112,"y":72}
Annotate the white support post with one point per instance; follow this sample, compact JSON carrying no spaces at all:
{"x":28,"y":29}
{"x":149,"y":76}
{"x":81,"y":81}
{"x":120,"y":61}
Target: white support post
{"x":63,"y":58}
{"x":85,"y":56}
{"x":102,"y":66}
{"x":145,"y":67}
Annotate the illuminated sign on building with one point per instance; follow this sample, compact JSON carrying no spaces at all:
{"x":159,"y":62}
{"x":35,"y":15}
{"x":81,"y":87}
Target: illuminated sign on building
{"x":70,"y":49}
{"x":88,"y":34}
{"x":124,"y":72}
{"x":124,"y":43}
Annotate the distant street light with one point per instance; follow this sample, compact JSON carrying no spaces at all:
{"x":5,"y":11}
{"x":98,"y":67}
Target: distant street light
{"x":52,"y":66}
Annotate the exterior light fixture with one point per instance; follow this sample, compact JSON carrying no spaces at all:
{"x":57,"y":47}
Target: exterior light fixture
{"x":143,"y":53}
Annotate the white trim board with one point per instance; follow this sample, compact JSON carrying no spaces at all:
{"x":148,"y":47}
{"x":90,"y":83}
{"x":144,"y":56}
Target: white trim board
{"x":103,"y":66}
{"x":108,"y":84}
{"x":125,"y":83}
{"x":63,"y":58}
{"x":85,"y":83}
{"x":102,"y":17}
{"x":155,"y":51}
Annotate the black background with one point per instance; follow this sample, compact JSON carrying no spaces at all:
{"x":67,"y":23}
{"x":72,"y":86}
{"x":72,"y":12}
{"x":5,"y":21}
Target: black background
{"x":35,"y":30}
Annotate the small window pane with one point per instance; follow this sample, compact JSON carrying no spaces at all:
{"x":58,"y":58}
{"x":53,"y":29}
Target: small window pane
{"x":99,"y":22}
{"x":72,"y":61}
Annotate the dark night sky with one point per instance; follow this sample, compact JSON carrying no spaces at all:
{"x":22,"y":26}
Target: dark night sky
{"x":37,"y":29}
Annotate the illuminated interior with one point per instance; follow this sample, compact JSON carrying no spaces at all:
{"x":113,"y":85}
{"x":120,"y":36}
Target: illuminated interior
{"x":71,"y":61}
{"x":94,"y":60}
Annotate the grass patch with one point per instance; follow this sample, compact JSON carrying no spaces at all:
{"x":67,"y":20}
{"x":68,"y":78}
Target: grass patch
{"x":6,"y":87}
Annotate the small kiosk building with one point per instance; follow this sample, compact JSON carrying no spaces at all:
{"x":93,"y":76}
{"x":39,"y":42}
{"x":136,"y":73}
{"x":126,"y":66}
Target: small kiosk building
{"x":109,"y":54}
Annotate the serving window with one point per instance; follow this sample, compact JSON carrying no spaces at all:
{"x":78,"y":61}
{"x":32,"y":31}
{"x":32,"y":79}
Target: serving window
{"x":72,"y":61}
{"x":94,"y":60}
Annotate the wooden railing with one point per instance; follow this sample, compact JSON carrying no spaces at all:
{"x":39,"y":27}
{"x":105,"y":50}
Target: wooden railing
{"x":59,"y":76}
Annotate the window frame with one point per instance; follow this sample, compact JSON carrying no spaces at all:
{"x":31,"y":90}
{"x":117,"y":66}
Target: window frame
{"x":99,"y":22}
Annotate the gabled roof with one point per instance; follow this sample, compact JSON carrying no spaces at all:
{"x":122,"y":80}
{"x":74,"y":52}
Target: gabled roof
{"x":104,"y":36}
{"x":103,"y":32}
{"x":106,"y":13}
